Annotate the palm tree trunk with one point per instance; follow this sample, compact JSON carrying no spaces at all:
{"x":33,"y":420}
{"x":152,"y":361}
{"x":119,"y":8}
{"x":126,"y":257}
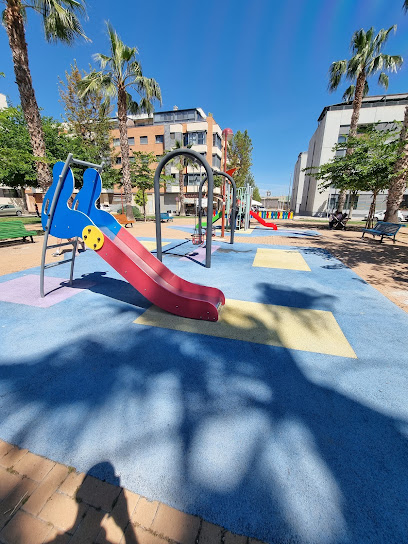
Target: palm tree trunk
{"x":358,"y":99}
{"x":124,"y":151}
{"x":370,"y":218}
{"x":14,"y":23}
{"x":181,"y":185}
{"x":399,"y":181}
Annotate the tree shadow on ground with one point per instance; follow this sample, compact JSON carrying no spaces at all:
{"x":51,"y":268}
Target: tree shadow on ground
{"x":269,"y":442}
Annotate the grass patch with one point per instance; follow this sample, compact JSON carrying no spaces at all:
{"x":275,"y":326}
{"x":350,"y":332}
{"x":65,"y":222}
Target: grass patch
{"x":25,"y":220}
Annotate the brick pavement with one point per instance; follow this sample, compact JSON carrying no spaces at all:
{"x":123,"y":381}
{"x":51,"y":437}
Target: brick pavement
{"x":43,"y":502}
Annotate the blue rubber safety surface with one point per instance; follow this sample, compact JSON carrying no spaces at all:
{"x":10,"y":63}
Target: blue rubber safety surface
{"x":281,"y":445}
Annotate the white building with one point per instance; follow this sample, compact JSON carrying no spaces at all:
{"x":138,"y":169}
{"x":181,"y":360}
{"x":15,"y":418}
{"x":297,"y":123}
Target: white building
{"x":299,"y":176}
{"x":333,"y":126}
{"x":3,"y":101}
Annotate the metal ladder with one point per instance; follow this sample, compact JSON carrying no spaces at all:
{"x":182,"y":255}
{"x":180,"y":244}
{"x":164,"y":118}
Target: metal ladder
{"x":70,"y":160}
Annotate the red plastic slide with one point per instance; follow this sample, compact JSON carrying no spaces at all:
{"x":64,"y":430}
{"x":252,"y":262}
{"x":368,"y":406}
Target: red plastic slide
{"x":156,"y":282}
{"x":262,"y":221}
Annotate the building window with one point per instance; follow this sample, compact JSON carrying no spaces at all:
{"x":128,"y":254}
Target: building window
{"x":9,"y":193}
{"x":159,"y":139}
{"x":195,"y":138}
{"x":216,"y":161}
{"x":131,"y":140}
{"x":132,"y":159}
{"x":341,"y":140}
{"x":217,"y":141}
{"x":192,"y":179}
{"x":143,"y":139}
{"x":118,"y":160}
{"x":116,"y":142}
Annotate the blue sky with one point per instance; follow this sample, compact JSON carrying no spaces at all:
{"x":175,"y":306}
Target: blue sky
{"x":260,"y":65}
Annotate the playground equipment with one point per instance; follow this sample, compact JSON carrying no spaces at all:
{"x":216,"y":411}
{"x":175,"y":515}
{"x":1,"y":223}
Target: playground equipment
{"x":276,"y":215}
{"x":234,"y":199}
{"x":115,"y":245}
{"x":215,"y":218}
{"x":200,"y":159}
{"x":262,"y":221}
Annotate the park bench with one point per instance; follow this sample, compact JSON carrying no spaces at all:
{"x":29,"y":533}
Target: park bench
{"x":166,"y":217}
{"x":382,"y":229}
{"x":123,"y":220}
{"x":15,"y":229}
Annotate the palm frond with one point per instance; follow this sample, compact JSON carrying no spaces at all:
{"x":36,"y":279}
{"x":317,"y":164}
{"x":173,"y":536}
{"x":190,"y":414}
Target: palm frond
{"x":383,"y":80}
{"x":336,"y":72}
{"x":405,"y":5}
{"x":392,"y":62}
{"x":60,"y":19}
{"x":382,"y":37}
{"x":348,"y":95}
{"x":96,"y":82}
{"x":102,"y":60}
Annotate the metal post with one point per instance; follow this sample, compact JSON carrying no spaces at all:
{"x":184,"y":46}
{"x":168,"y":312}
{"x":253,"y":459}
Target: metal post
{"x":51,"y":217}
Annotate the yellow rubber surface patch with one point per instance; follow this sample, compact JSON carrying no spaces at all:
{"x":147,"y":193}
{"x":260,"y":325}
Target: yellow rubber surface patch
{"x":280,"y":258}
{"x":243,"y":231}
{"x":151,"y":245}
{"x":93,"y":237}
{"x":293,"y":328}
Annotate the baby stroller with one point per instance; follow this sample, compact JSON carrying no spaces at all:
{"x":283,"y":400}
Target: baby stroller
{"x":338,"y":221}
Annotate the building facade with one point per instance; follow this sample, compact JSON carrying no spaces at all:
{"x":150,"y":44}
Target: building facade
{"x":333,"y":127}
{"x":297,"y":188}
{"x":158,"y":133}
{"x":3,"y":101}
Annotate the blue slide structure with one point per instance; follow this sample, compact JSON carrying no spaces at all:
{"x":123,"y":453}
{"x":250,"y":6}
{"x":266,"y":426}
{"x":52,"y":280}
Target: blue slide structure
{"x":113,"y":243}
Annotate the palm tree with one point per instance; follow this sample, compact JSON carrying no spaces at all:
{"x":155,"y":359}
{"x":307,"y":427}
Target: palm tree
{"x":398,"y":183}
{"x":366,"y":61}
{"x":181,"y":163}
{"x":121,"y":72}
{"x":60,"y":22}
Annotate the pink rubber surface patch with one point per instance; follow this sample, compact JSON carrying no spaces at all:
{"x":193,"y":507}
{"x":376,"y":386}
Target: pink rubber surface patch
{"x":199,"y":254}
{"x":26,"y":290}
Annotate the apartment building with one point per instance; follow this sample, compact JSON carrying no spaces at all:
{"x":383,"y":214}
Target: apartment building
{"x":157,"y":133}
{"x":333,"y":127}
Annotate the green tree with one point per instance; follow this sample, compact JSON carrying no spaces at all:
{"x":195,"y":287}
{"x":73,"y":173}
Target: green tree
{"x":366,"y":61}
{"x":142,"y":176}
{"x":368,"y":168}
{"x":60,"y":23}
{"x":240,"y":156}
{"x":256,"y":194}
{"x":17,"y":161}
{"x":120,"y":74}
{"x":88,"y":118}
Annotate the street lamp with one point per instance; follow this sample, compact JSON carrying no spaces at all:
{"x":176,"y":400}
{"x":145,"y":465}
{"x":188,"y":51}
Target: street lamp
{"x":227,"y":134}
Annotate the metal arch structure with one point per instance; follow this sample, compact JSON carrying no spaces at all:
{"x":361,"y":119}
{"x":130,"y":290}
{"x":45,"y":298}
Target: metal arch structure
{"x":200,"y":159}
{"x":234,"y":201}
